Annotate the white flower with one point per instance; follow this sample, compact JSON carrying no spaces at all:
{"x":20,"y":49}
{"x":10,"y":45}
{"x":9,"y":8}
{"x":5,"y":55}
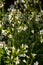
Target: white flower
{"x":10,"y":17}
{"x":1,"y":45}
{"x":20,"y":29}
{"x":23,"y":55}
{"x":8,"y":52}
{"x":25,"y":5}
{"x":24,"y":61}
{"x":1,"y":5}
{"x":11,"y":56}
{"x":41,"y":12}
{"x":17,"y":51}
{"x":35,"y":1}
{"x":19,"y":22}
{"x":14,"y":11}
{"x":24,"y":46}
{"x":26,"y":51}
{"x":23,"y":1}
{"x":25,"y":27}
{"x":41,"y":39}
{"x":16,"y":17}
{"x":13,"y":49}
{"x":6,"y":48}
{"x":17,"y":61}
{"x":32,"y":14}
{"x":38,"y":17}
{"x":10,"y":36}
{"x":12,"y":29}
{"x":13,"y":25}
{"x":32,"y":31}
{"x":33,"y":54}
{"x":17,"y":1}
{"x":4,"y":32}
{"x":41,"y":31}
{"x":36,"y":63}
{"x":27,"y":56}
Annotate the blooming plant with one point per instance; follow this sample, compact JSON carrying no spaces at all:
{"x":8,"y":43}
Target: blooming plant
{"x":21,"y":33}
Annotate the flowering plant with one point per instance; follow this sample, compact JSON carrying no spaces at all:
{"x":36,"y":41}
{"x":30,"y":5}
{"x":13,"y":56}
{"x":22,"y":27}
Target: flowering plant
{"x":21,"y":33}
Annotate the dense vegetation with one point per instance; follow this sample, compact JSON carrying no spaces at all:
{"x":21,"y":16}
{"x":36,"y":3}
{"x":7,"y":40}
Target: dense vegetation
{"x":21,"y":32}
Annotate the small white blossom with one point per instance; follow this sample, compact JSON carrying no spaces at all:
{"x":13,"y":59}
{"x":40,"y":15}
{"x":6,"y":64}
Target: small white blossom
{"x":17,"y":17}
{"x":13,"y":25}
{"x":13,"y":49}
{"x":38,"y":17}
{"x":17,"y":61}
{"x":41,"y":31}
{"x":10,"y":17}
{"x":10,"y":36}
{"x":32,"y":31}
{"x":17,"y":51}
{"x":24,"y":61}
{"x":13,"y":10}
{"x":1,"y":5}
{"x":35,"y":1}
{"x":6,"y":48}
{"x":11,"y":56}
{"x":33,"y":54}
{"x":27,"y":56}
{"x":26,"y":51}
{"x":1,"y":45}
{"x":8,"y":52}
{"x":4,"y":32}
{"x":17,"y":1}
{"x":19,"y":22}
{"x":25,"y":28}
{"x":23,"y":55}
{"x":23,"y":1}
{"x":36,"y":63}
{"x":25,"y":5}
{"x":24,"y":46}
{"x":32,"y":14}
{"x":20,"y":29}
{"x":41,"y":39}
{"x":41,"y":12}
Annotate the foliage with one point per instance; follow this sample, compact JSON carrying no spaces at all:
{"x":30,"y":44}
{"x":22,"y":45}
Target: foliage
{"x":21,"y":33}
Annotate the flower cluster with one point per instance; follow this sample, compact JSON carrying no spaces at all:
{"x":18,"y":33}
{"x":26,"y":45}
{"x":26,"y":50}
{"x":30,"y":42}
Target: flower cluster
{"x":21,"y":33}
{"x":14,"y":54}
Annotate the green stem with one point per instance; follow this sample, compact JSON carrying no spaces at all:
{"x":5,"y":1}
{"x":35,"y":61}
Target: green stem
{"x":31,"y":61}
